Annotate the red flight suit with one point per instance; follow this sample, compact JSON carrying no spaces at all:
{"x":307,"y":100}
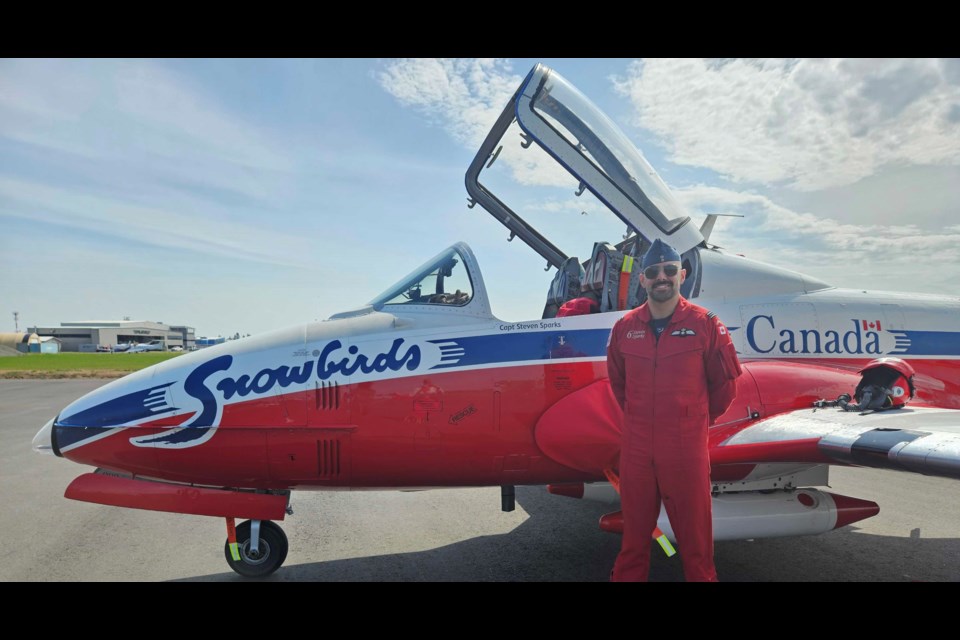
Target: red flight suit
{"x":670,"y":392}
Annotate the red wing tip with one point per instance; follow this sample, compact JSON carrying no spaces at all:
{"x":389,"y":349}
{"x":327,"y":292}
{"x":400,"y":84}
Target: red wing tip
{"x":850,"y":510}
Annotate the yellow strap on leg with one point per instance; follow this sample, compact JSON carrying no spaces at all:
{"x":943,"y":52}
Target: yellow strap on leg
{"x":232,"y":539}
{"x":661,"y":538}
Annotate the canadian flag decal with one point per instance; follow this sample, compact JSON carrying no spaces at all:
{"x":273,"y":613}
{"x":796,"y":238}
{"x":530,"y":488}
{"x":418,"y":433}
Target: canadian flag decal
{"x":867,"y":326}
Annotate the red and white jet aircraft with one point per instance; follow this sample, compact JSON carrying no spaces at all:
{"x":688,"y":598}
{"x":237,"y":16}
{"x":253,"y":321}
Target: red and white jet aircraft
{"x":424,"y":387}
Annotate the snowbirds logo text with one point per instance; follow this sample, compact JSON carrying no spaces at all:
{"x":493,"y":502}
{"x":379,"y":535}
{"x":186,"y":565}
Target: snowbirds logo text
{"x":327,"y":365}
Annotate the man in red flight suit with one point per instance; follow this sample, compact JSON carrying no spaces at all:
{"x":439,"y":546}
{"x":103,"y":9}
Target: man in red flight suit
{"x":673,"y":369}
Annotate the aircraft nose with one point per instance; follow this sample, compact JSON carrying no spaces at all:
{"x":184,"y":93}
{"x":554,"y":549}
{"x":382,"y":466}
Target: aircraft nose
{"x":43,"y":441}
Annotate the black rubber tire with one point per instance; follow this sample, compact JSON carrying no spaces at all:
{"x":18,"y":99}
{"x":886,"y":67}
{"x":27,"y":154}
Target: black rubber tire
{"x":272,"y":550}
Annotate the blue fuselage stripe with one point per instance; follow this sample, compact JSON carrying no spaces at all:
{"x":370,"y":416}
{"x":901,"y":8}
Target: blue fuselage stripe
{"x":524,"y":347}
{"x":931,"y":343}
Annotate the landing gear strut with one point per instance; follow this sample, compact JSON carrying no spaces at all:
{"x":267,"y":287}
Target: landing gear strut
{"x":260,"y":558}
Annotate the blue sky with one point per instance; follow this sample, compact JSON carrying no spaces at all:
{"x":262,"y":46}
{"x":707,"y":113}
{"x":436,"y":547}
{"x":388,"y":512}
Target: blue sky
{"x":248,"y":195}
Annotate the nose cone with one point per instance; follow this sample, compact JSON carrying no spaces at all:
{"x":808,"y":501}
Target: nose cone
{"x":43,"y":441}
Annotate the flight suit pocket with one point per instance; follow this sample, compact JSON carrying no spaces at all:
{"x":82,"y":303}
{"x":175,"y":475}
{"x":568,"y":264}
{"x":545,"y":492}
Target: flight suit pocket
{"x":729,"y":364}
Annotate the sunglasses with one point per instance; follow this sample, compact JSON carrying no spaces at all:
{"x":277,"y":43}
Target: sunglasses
{"x":669,"y":270}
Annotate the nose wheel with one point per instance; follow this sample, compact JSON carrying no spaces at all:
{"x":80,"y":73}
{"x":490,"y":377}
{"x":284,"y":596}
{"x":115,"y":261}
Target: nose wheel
{"x":259,"y":559}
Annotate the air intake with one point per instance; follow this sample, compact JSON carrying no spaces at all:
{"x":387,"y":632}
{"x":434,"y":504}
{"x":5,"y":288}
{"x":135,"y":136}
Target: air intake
{"x":327,"y":395}
{"x":328,"y":455}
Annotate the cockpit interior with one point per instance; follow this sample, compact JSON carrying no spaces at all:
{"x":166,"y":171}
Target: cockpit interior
{"x":443,"y":280}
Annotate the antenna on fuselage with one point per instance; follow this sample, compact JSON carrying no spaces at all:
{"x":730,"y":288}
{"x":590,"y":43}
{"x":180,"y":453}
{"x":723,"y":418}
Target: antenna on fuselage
{"x":707,"y":227}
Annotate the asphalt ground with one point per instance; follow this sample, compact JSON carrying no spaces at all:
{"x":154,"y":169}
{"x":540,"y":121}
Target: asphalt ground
{"x":442,"y":535}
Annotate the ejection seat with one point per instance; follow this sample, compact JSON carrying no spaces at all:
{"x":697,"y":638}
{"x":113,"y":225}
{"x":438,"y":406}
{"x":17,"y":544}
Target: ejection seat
{"x":613,"y":274}
{"x":564,"y":287}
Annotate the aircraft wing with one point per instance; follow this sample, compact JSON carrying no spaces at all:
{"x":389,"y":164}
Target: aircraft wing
{"x":582,"y":431}
{"x":919,"y":439}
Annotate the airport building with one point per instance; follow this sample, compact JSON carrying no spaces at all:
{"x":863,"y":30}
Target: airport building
{"x":14,"y":343}
{"x":87,"y":336}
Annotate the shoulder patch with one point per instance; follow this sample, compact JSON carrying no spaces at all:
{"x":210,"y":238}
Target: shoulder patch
{"x":711,"y":314}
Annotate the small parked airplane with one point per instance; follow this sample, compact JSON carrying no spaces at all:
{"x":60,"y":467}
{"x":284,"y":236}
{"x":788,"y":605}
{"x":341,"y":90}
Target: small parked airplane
{"x":424,"y":387}
{"x":153,"y":345}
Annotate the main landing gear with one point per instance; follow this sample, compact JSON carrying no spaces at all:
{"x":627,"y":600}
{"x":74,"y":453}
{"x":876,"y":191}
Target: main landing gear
{"x":255,"y":548}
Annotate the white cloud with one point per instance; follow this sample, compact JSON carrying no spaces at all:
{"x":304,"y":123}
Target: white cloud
{"x":557,"y":206}
{"x":808,"y":124}
{"x":465,"y":96}
{"x":901,"y":257}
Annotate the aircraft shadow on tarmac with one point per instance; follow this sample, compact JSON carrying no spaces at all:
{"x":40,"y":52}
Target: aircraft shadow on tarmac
{"x":560,"y":541}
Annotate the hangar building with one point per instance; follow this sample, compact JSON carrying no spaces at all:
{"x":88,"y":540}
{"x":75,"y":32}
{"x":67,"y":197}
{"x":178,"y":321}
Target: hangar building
{"x":87,"y":336}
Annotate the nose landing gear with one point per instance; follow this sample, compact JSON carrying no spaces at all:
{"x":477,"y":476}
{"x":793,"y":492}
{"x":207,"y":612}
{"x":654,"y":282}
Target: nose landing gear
{"x":255,"y":556}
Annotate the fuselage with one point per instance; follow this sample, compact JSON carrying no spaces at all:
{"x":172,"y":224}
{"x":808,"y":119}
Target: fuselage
{"x":416,"y":396}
